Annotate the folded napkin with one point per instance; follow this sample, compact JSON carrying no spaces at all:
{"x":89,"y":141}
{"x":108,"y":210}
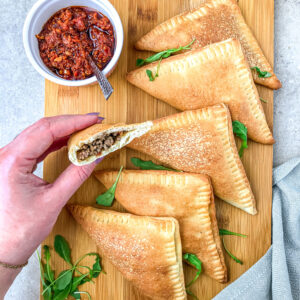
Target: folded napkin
{"x":277,"y":274}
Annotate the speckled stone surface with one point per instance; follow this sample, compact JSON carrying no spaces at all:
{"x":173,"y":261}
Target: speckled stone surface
{"x":22,"y":97}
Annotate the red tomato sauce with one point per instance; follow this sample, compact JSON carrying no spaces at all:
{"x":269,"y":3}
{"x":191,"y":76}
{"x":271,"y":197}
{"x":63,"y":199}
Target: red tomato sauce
{"x":70,"y":35}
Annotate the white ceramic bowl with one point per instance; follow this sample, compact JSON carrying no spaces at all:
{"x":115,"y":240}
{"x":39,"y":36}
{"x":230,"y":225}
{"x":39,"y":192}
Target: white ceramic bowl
{"x":39,"y":14}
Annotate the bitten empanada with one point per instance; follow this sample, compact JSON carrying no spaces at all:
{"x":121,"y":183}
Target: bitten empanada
{"x":188,"y":197}
{"x":201,"y":141}
{"x":213,"y":21}
{"x":218,"y":73}
{"x":98,"y":140}
{"x":146,"y":250}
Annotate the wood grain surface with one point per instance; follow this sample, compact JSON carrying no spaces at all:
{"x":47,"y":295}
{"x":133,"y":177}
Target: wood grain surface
{"x":129,"y":104}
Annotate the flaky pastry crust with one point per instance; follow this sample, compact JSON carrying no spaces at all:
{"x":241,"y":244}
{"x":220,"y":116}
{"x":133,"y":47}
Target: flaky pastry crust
{"x":146,"y":250}
{"x":188,"y":197}
{"x":218,"y":73}
{"x":201,"y":141}
{"x":213,"y":21}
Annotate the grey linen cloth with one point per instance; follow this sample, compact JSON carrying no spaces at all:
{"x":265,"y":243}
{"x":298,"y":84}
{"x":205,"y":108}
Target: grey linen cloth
{"x":277,"y":274}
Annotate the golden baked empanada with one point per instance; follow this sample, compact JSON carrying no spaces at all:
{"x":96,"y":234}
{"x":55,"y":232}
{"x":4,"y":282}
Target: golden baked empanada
{"x":213,"y":21}
{"x":201,"y":141}
{"x":146,"y":250}
{"x":218,"y":73}
{"x":96,"y":141}
{"x":188,"y":197}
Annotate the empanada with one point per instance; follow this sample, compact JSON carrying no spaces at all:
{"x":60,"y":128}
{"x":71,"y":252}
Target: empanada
{"x":201,"y":141}
{"x":213,"y":21}
{"x":146,"y":250}
{"x":218,"y":73}
{"x":97,"y":141}
{"x":188,"y":197}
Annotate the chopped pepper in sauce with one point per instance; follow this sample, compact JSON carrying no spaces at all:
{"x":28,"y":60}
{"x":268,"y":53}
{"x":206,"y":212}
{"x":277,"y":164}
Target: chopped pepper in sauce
{"x":72,"y":34}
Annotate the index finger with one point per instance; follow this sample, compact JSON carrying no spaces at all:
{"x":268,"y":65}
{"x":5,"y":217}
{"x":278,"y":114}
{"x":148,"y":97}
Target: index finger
{"x":36,"y":139}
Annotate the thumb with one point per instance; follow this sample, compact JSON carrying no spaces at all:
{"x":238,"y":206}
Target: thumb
{"x":70,"y":180}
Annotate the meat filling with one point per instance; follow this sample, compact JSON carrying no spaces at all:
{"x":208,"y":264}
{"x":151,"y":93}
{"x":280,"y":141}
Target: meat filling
{"x":97,"y":146}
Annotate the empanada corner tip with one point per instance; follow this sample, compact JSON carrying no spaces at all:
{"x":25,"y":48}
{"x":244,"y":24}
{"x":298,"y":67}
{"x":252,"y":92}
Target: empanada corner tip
{"x":277,"y":84}
{"x":129,"y":76}
{"x":71,"y":208}
{"x":224,"y":279}
{"x":251,"y":210}
{"x":98,"y":174}
{"x":138,"y":45}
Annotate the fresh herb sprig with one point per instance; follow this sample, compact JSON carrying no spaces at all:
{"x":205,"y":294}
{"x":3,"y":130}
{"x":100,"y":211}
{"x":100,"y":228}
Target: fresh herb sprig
{"x":223,"y":232}
{"x":148,"y":165}
{"x":159,"y":56}
{"x":240,"y":130}
{"x":230,"y":254}
{"x":149,"y":72}
{"x":227,"y":232}
{"x":195,"y":262}
{"x":163,"y":54}
{"x":263,"y":100}
{"x":66,"y":283}
{"x":107,"y":198}
{"x":261,"y":74}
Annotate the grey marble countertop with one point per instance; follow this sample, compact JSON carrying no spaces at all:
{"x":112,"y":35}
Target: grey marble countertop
{"x":22,"y":97}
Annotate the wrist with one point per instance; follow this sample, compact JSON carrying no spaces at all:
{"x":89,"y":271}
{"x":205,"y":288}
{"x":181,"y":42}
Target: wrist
{"x":13,"y":250}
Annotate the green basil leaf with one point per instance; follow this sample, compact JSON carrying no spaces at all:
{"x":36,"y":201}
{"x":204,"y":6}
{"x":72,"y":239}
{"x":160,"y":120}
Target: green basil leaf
{"x":227,"y":232}
{"x":194,"y":261}
{"x":62,"y":295}
{"x":62,"y":248}
{"x":150,"y":75}
{"x":148,"y":165}
{"x":78,"y":281}
{"x":107,"y":198}
{"x":64,"y":279}
{"x":140,"y":62}
{"x":162,"y":54}
{"x":47,"y":278}
{"x":165,"y":55}
{"x":261,"y":74}
{"x":263,"y":100}
{"x":156,"y":56}
{"x":230,"y":254}
{"x":240,"y":130}
{"x":49,"y":274}
{"x":97,"y":267}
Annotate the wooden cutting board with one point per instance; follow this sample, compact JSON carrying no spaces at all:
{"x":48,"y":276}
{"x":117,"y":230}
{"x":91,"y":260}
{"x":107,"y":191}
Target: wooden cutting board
{"x":129,"y":104}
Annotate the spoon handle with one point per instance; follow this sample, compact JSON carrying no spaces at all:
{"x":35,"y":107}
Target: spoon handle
{"x":105,"y":86}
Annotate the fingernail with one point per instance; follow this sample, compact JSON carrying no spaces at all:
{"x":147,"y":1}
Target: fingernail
{"x":100,"y":119}
{"x":93,"y":114}
{"x":99,"y":160}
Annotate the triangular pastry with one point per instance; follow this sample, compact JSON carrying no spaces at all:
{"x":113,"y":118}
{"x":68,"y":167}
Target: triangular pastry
{"x":201,"y":141}
{"x":218,"y":73}
{"x":96,"y":141}
{"x":146,"y":250}
{"x":213,"y":21}
{"x":188,"y":197}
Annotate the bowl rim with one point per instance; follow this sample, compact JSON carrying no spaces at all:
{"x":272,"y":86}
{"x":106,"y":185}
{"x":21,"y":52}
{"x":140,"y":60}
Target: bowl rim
{"x":119,"y":35}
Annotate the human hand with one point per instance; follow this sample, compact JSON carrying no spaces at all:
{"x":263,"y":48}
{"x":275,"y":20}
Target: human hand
{"x":29,"y":206}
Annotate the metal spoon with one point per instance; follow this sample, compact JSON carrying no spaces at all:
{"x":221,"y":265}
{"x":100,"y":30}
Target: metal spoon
{"x":105,"y":86}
